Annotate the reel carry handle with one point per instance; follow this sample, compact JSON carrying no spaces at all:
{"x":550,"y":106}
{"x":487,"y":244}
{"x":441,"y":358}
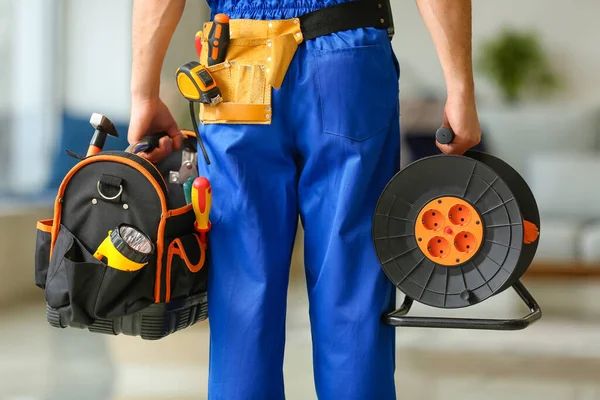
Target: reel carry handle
{"x":444,"y":135}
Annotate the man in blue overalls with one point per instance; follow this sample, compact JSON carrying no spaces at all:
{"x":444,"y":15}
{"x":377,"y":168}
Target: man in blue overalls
{"x":326,"y":155}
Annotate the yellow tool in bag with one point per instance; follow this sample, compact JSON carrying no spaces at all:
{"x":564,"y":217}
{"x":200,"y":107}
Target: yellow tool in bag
{"x":126,"y":248}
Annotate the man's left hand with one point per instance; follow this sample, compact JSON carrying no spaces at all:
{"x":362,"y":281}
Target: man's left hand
{"x":460,"y":114}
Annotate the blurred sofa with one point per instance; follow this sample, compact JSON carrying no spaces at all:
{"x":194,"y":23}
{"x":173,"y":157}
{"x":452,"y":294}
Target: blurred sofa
{"x":556,"y":149}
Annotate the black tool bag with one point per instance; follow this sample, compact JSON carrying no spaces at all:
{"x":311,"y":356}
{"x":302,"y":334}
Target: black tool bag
{"x":98,"y":194}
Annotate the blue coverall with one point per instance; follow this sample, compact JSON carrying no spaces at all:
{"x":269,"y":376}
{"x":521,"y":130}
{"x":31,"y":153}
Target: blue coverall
{"x":332,"y":146}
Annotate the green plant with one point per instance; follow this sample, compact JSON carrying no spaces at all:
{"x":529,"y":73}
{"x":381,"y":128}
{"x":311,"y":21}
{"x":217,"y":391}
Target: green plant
{"x":516,"y":61}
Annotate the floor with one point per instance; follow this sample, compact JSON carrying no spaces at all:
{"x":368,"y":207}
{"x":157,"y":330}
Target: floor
{"x":557,"y":358}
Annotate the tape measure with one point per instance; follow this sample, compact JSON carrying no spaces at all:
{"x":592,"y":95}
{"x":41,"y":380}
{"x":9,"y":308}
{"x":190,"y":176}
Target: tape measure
{"x":125,"y":248}
{"x":197,"y":84}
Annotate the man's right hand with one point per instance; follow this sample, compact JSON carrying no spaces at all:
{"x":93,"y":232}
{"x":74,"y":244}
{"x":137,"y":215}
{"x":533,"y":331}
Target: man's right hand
{"x":153,"y":116}
{"x":153,"y":24}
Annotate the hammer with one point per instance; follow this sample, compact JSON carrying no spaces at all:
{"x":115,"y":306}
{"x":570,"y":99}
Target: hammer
{"x":103,"y":127}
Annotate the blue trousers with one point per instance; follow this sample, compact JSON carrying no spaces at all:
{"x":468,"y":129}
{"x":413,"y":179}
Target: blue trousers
{"x":331,"y":148}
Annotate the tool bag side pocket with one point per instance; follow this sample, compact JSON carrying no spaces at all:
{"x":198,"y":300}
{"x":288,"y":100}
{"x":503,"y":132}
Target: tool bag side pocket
{"x":86,"y":288}
{"x":186,"y":272}
{"x":185,"y":269}
{"x":42,"y":251}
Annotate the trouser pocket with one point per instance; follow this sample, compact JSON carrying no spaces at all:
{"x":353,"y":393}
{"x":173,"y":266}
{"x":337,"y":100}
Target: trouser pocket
{"x":359,"y":90}
{"x":90,"y":289}
{"x":42,"y":251}
{"x":186,"y":271}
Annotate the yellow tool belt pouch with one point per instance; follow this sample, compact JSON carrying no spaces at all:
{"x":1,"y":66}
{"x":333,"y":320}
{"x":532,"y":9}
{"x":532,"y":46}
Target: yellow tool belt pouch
{"x":258,"y":57}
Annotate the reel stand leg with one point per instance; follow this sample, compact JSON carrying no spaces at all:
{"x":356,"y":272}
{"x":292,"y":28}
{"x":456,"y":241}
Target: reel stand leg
{"x":399,"y":318}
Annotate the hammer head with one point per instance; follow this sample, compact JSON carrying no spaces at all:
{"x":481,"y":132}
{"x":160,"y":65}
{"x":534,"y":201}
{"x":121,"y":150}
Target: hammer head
{"x":101,"y":123}
{"x":103,"y":127}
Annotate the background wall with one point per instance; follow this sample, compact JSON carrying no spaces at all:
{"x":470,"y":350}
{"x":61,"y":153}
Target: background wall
{"x":99,"y":75}
{"x":569,"y":30}
{"x":96,"y":72}
{"x":98,"y":55}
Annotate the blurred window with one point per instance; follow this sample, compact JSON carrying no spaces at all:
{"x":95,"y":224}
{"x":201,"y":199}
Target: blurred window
{"x":5,"y":88}
{"x":30,"y":103}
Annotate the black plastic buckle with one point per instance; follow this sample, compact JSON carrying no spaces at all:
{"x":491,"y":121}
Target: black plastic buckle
{"x":399,"y":318}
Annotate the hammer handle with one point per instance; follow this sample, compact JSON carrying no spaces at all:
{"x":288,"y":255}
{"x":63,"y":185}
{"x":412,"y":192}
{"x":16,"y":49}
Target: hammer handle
{"x":92,"y":150}
{"x":97,"y":142}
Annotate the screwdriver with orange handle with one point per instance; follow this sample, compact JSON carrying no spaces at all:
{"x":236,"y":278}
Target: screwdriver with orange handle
{"x":218,"y":39}
{"x":201,"y":202}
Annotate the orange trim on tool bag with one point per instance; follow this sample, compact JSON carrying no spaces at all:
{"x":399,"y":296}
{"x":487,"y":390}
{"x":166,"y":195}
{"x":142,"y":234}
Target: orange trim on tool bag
{"x":143,"y":171}
{"x":45,"y":225}
{"x":180,"y":211}
{"x":160,"y":247}
{"x":189,"y":133}
{"x":176,"y":248}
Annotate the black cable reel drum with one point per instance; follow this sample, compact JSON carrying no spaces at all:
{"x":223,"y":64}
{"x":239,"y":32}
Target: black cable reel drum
{"x":452,"y":231}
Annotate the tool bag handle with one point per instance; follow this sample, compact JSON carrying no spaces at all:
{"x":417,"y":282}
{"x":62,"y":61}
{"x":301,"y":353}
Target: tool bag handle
{"x":151,"y":142}
{"x":147,"y":144}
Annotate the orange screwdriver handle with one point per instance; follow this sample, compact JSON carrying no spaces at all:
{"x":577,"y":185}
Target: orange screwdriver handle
{"x":201,"y":202}
{"x":218,"y":39}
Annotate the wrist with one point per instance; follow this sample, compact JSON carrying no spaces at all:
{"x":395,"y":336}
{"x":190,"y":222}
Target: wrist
{"x":463,"y":90}
{"x":144,"y":95}
{"x":145,"y":87}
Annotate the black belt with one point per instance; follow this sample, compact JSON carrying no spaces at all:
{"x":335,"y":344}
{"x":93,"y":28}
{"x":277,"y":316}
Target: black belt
{"x":347,"y":16}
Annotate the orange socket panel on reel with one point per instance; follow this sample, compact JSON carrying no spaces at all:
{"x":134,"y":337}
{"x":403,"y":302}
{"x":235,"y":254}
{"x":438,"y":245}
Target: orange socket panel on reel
{"x":449,"y":231}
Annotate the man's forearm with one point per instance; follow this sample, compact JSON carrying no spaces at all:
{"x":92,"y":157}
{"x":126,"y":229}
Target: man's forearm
{"x":449,"y":23}
{"x":153,"y":25}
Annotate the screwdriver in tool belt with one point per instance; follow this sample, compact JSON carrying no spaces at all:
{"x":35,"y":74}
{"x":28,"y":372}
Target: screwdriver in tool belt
{"x":218,"y":39}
